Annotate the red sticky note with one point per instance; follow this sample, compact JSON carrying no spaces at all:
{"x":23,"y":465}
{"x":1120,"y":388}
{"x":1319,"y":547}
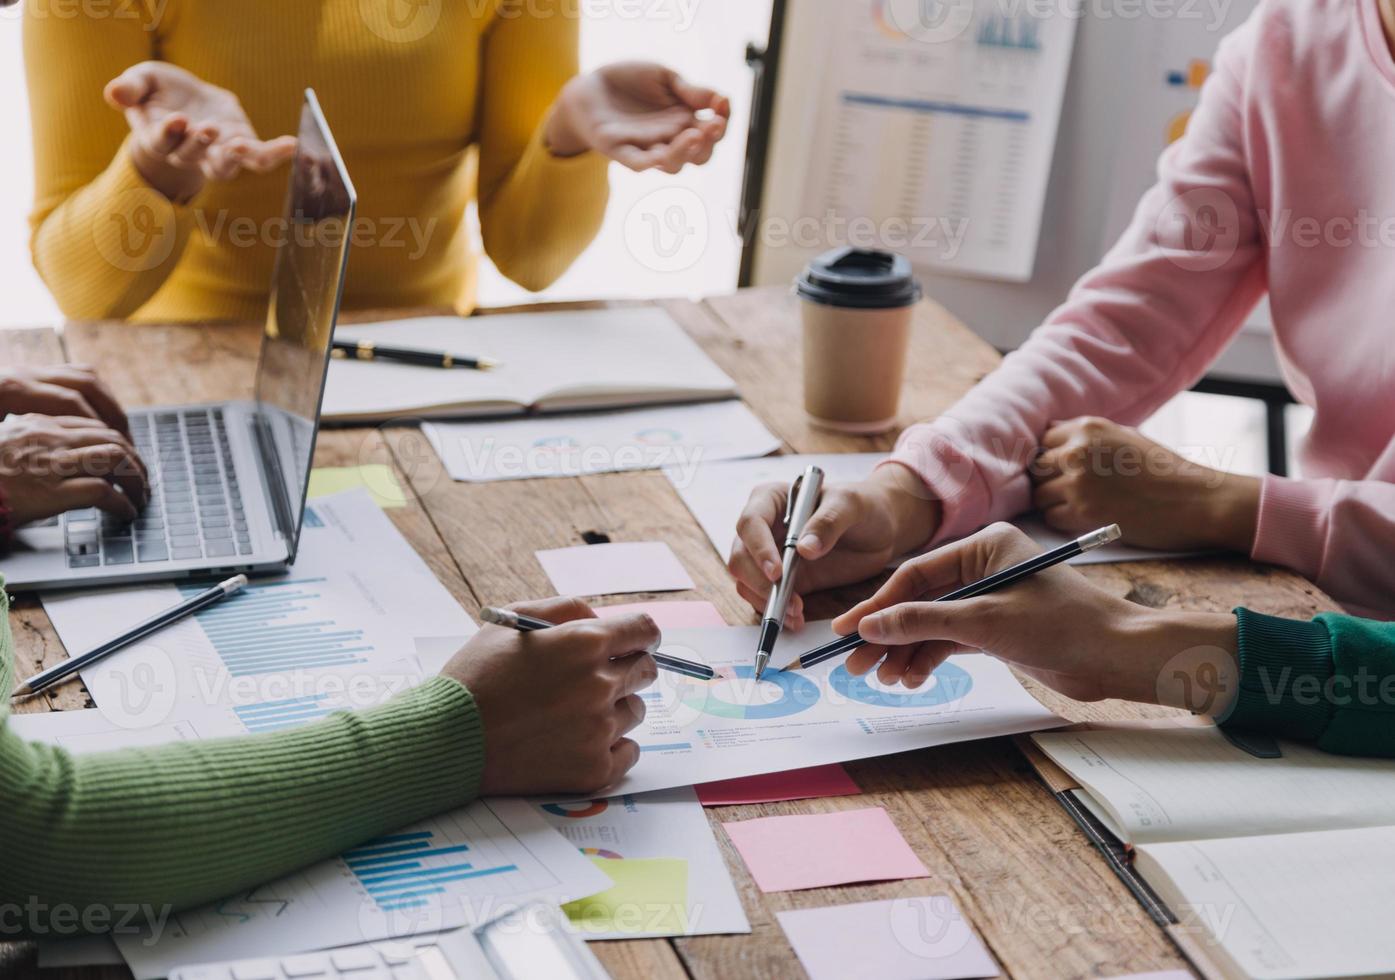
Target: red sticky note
{"x":821,"y":849}
{"x":669,"y":615}
{"x":793,"y":784}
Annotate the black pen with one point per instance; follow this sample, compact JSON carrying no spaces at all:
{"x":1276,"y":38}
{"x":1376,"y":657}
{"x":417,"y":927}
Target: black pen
{"x":43,"y":681}
{"x":998,"y":580}
{"x":363,"y":350}
{"x":527,"y":624}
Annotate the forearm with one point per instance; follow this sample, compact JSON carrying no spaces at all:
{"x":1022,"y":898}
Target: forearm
{"x":184,"y":824}
{"x":106,"y":249}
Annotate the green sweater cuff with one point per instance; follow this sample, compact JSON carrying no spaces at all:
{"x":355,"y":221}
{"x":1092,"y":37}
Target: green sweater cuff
{"x":1286,"y":668}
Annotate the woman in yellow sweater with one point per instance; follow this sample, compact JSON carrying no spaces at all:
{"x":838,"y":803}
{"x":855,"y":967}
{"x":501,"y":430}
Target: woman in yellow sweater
{"x":157,"y":127}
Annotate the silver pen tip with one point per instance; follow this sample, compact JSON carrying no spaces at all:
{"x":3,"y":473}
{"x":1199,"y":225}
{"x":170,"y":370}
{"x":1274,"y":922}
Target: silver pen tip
{"x":762,"y":659}
{"x":1100,"y":538}
{"x":497,"y":617}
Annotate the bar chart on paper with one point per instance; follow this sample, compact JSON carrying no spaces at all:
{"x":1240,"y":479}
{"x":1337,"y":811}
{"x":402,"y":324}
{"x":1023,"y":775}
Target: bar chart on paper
{"x":402,"y":871}
{"x":279,"y":626}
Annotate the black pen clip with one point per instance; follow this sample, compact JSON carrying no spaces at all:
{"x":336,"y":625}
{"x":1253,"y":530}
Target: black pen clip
{"x":794,"y":495}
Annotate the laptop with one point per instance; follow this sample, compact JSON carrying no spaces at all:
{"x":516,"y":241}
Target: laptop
{"x":228,"y":480}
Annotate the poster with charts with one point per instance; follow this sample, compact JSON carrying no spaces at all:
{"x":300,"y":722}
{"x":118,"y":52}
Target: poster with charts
{"x":698,"y":731}
{"x":338,"y":630}
{"x":936,"y":129}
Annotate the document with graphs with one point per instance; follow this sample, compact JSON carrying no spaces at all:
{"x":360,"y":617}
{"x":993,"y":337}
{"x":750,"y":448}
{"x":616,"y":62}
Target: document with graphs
{"x":936,"y":129}
{"x":1279,"y":868}
{"x":698,"y":731}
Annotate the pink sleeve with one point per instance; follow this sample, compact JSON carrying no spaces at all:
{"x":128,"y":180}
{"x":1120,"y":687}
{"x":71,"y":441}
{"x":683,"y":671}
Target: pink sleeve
{"x":1136,"y":330}
{"x":1337,"y":533}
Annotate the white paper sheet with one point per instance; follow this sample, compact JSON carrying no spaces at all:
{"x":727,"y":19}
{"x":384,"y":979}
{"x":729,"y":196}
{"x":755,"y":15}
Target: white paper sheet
{"x":717,"y":492}
{"x":936,"y":130}
{"x":698,"y":731}
{"x":683,"y":437}
{"x":667,"y":824}
{"x":336,"y":631}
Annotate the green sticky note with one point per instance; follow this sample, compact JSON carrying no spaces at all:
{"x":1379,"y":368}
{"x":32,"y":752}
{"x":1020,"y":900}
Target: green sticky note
{"x":376,"y":478}
{"x":649,"y":898}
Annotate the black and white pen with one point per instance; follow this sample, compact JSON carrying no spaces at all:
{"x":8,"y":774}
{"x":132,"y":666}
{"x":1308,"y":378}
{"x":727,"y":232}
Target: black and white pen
{"x":195,"y":603}
{"x":803,"y":501}
{"x":527,"y":624}
{"x":991,"y":583}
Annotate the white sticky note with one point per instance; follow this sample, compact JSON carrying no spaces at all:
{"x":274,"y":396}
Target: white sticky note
{"x":611,"y":569}
{"x":922,"y":938}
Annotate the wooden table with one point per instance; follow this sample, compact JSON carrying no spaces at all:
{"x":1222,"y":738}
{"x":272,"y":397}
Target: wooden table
{"x":985,"y":826}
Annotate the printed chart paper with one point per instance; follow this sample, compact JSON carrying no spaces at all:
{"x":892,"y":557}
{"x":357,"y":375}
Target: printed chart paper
{"x":612,"y":569}
{"x":608,"y":442}
{"x":698,"y":731}
{"x":717,"y":493}
{"x":659,"y":828}
{"x":336,"y":631}
{"x":937,"y":126}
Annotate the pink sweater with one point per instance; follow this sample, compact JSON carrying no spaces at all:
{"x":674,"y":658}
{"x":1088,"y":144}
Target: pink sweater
{"x":1285,"y":181}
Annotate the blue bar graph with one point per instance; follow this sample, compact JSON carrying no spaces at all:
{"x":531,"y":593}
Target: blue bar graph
{"x":401,"y":871}
{"x":272,"y":716}
{"x":270,"y":628}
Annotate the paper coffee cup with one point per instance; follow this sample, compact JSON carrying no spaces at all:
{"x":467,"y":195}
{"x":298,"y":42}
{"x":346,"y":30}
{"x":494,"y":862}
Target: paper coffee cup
{"x":857,"y":306}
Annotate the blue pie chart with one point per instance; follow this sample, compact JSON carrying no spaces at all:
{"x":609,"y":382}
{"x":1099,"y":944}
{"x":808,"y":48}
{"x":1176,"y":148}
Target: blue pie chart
{"x":796,"y":694}
{"x":948,"y":683}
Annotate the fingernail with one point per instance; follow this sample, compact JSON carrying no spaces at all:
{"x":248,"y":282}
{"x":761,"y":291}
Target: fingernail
{"x":772,"y":571}
{"x":870,"y":628}
{"x":810,"y":542}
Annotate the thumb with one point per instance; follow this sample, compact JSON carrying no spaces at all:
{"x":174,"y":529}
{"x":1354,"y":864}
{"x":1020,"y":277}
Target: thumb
{"x":838,"y":512}
{"x":916,"y":622}
{"x":130,"y":88}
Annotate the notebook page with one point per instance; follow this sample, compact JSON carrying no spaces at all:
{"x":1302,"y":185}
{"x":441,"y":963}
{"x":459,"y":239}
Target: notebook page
{"x":1284,"y":907}
{"x":586,"y":357}
{"x":1190,"y":783}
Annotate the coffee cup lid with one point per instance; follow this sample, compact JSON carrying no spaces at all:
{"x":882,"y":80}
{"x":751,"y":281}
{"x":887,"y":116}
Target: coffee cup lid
{"x":860,"y":278}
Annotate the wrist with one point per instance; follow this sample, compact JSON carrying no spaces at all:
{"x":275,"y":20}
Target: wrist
{"x":1232,"y":513}
{"x":178,"y":185}
{"x":1178,"y":659}
{"x":913,"y":510}
{"x":562,"y":134}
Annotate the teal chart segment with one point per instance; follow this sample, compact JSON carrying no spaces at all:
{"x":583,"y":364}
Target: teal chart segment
{"x":950,"y":683}
{"x":796,"y":694}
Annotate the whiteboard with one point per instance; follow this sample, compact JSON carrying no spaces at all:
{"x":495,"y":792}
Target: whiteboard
{"x":1130,"y":79}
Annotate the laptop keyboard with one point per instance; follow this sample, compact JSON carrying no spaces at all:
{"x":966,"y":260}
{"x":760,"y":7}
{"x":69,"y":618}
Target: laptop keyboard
{"x":195,"y":508}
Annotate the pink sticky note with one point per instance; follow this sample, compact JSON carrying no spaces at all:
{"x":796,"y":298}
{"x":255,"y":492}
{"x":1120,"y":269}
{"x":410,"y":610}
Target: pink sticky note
{"x":608,"y":569}
{"x":820,"y":849}
{"x":794,"y":784}
{"x":924,"y":938}
{"x":669,"y":615}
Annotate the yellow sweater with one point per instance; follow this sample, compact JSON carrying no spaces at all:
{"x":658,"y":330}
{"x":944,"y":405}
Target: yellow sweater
{"x":428,"y":99}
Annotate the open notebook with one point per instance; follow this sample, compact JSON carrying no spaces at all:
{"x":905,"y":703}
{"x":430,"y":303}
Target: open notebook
{"x":1284,"y":868}
{"x":560,"y":361}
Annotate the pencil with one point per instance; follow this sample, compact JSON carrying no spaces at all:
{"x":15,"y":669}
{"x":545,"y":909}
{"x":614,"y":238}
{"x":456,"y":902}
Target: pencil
{"x":43,"y":681}
{"x":527,"y":624}
{"x":362,"y":350}
{"x":992,"y":583}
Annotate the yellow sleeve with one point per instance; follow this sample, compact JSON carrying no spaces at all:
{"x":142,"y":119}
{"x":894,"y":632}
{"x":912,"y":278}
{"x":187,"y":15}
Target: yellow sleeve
{"x":537,"y":211}
{"x":103,"y":240}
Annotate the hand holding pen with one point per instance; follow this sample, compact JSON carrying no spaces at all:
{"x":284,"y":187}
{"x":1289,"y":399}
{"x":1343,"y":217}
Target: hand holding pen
{"x":995,"y":591}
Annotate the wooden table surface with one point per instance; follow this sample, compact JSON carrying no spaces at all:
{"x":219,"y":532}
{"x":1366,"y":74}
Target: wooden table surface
{"x":986,"y":827}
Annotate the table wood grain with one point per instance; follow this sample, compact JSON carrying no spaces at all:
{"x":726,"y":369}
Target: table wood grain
{"x":986,"y":827}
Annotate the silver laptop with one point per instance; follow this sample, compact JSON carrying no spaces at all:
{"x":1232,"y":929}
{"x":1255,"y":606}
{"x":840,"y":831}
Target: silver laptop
{"x":228,"y":480}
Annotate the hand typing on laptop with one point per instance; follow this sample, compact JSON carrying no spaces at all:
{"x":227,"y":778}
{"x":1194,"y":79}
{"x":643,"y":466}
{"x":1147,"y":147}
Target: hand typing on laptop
{"x":79,"y":456}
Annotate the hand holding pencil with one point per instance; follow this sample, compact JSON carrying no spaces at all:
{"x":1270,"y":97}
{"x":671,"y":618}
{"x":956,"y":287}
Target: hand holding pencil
{"x":1054,"y":625}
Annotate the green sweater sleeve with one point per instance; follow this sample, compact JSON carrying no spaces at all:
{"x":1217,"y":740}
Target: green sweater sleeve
{"x":1330,"y":681}
{"x":179,"y":825}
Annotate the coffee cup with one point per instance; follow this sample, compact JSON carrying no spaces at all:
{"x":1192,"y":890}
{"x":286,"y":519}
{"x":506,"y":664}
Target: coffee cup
{"x":857,"y":307}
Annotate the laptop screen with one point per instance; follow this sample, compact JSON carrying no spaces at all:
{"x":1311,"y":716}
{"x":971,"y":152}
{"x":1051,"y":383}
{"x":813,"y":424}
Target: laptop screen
{"x":305,"y":291}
